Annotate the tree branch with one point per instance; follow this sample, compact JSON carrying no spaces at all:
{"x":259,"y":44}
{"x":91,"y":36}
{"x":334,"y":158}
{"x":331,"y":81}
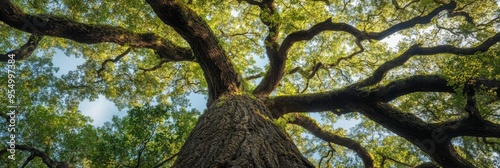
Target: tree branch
{"x":25,"y":50}
{"x":346,"y":98}
{"x":277,"y":60}
{"x":384,"y":157}
{"x":466,"y":15}
{"x":48,"y":25}
{"x":464,"y":127}
{"x":311,"y":126}
{"x":28,"y":160}
{"x":252,"y":77}
{"x":415,"y":50}
{"x":219,"y":72}
{"x":278,"y":57}
{"x":37,"y":153}
{"x":471,"y":106}
{"x":427,"y":165}
{"x":412,"y":22}
{"x":338,"y":99}
{"x":359,"y":35}
{"x":417,"y":83}
{"x":317,"y":29}
{"x":166,"y":160}
{"x":431,"y":139}
{"x":103,"y":65}
{"x":158,"y":66}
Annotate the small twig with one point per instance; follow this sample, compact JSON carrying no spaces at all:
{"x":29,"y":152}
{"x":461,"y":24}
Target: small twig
{"x":166,"y":160}
{"x":361,"y":49}
{"x":466,"y":15}
{"x":103,"y":65}
{"x":394,"y":160}
{"x":155,"y":67}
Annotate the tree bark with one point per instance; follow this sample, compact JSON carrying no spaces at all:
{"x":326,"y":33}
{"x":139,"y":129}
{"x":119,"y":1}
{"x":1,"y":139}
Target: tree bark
{"x":236,"y":131}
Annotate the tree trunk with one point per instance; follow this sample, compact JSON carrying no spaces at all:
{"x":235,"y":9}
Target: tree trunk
{"x":237,"y":132}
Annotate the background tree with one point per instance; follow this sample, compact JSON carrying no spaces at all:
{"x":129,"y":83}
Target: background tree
{"x":431,"y":100}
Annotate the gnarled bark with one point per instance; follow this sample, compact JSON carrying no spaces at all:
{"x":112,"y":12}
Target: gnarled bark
{"x":236,"y":131}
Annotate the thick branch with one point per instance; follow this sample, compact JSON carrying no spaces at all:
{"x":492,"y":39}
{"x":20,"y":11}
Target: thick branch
{"x":464,"y":127}
{"x":315,"y":102}
{"x":317,"y":29}
{"x":424,"y":83}
{"x":418,"y":83}
{"x":218,"y":69}
{"x":412,"y":22}
{"x":430,"y":139}
{"x":415,"y":50}
{"x":278,"y":57}
{"x":328,"y":25}
{"x":406,"y":125}
{"x":48,"y":25}
{"x":25,"y":50}
{"x":471,"y":105}
{"x":345,"y":98}
{"x":277,"y":60}
{"x":311,"y":126}
{"x":433,"y":139}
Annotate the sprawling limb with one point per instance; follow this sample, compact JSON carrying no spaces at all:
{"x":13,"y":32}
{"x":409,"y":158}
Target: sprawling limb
{"x":24,"y":51}
{"x":218,"y":69}
{"x":311,"y":126}
{"x":48,"y":25}
{"x":412,"y":22}
{"x":434,"y":139}
{"x":347,"y":97}
{"x":430,"y":139}
{"x":278,"y":53}
{"x":277,"y":60}
{"x":166,"y":160}
{"x":417,"y":50}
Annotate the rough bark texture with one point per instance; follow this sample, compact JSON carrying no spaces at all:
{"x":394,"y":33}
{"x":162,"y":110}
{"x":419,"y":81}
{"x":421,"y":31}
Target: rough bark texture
{"x":237,"y":132}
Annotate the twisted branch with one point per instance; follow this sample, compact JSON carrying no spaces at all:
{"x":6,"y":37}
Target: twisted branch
{"x":103,"y":65}
{"x":309,"y":124}
{"x":25,"y":51}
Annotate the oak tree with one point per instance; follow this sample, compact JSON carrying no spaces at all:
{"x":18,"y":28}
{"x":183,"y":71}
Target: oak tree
{"x":277,"y":74}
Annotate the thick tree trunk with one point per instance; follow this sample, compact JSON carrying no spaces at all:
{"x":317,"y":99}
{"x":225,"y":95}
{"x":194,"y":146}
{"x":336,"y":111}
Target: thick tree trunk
{"x":237,"y":132}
